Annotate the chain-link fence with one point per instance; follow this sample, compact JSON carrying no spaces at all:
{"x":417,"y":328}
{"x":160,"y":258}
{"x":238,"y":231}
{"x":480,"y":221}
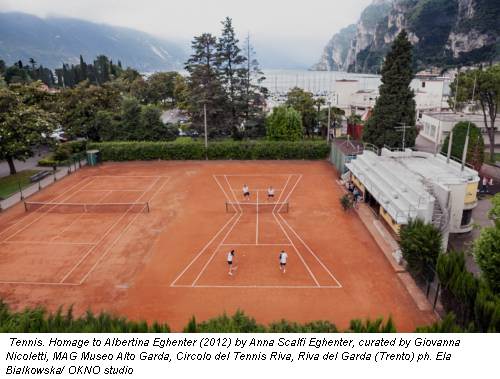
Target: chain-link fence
{"x":49,"y":176}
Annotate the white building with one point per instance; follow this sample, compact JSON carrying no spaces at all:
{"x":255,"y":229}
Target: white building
{"x":436,"y":126}
{"x":406,"y":185}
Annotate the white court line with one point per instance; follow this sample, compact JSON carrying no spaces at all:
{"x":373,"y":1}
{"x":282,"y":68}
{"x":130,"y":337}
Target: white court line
{"x":124,"y":230}
{"x":44,"y":214}
{"x":297,"y":251}
{"x":254,"y":286}
{"x":216,"y":250}
{"x":257,"y":221}
{"x":47,"y":243}
{"x":113,"y":190}
{"x":202,"y":251}
{"x":234,"y":195}
{"x":256,"y":175}
{"x":311,"y":252}
{"x":254,"y":244}
{"x":104,"y":236}
{"x":39,"y":283}
{"x":291,"y":191}
{"x":281,"y":193}
{"x":225,"y":194}
{"x":131,"y":176}
{"x":75,"y":219}
{"x":258,"y":189}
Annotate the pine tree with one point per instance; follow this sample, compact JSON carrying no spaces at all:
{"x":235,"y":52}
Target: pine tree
{"x":395,"y":105}
{"x":255,"y":94}
{"x":231,"y":73}
{"x":205,"y":87}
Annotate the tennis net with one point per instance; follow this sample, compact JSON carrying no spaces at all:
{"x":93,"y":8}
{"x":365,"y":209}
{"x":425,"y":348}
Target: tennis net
{"x":48,"y":207}
{"x":248,"y":207}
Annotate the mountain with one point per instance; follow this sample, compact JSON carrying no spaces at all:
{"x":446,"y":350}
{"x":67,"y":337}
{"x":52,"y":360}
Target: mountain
{"x":53,"y":40}
{"x":335,"y":53}
{"x":444,"y":33}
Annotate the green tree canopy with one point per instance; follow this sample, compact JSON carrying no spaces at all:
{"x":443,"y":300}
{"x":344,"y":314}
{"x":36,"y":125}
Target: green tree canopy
{"x":487,"y":254}
{"x":23,"y":124}
{"x":284,"y":124}
{"x":421,"y":245}
{"x":482,"y":87}
{"x":395,"y":104}
{"x":475,"y":149}
{"x":303,"y":102}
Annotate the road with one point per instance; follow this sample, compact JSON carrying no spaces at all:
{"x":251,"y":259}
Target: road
{"x":29,"y":164}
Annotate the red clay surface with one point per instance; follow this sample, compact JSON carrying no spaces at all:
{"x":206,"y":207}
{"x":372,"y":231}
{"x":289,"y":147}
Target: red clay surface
{"x":170,"y":263}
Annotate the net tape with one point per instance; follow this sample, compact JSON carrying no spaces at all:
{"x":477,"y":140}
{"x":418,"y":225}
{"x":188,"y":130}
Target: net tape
{"x":47,"y":207}
{"x":249,"y":207}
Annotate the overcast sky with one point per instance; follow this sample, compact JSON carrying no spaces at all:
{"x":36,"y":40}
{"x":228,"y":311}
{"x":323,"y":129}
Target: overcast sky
{"x":296,"y":29}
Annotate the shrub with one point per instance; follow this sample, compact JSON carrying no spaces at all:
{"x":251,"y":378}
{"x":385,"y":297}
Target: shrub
{"x":487,"y":255}
{"x":284,"y":124}
{"x":421,"y":244}
{"x":195,"y":150}
{"x":475,"y":149}
{"x":346,"y":202}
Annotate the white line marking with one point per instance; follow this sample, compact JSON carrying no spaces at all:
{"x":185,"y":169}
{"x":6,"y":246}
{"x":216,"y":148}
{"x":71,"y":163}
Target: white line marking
{"x":310,"y":251}
{"x":38,"y":218}
{"x":39,"y":283}
{"x":256,"y":175}
{"x":215,"y":251}
{"x":253,"y":244}
{"x":202,"y":251}
{"x":112,"y":190}
{"x":76,"y":219}
{"x":124,"y":230}
{"x":234,"y":194}
{"x":47,"y":243}
{"x":281,"y":194}
{"x":258,"y":189}
{"x":255,"y":286}
{"x":297,"y":251}
{"x":225,"y":194}
{"x":104,"y":236}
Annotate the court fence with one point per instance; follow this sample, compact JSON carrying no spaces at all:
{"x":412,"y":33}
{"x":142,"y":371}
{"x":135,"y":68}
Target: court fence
{"x":428,"y":282}
{"x":56,"y":174}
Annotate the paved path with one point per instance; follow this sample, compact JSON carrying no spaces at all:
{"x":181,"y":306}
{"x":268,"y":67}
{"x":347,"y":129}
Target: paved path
{"x":30,"y":163}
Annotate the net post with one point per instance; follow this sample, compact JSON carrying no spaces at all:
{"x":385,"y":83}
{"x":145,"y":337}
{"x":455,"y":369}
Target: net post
{"x":147,"y":206}
{"x":227,"y":210}
{"x":25,"y":207}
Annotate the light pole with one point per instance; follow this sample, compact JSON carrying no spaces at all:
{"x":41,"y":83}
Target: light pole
{"x":329,"y":118}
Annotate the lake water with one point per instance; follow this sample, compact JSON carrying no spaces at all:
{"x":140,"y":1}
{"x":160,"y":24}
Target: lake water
{"x":320,"y":83}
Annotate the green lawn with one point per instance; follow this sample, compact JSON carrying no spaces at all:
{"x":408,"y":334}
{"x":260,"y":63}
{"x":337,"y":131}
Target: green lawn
{"x":10,"y":184}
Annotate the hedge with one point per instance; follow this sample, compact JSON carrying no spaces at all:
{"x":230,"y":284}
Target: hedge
{"x":221,"y":150}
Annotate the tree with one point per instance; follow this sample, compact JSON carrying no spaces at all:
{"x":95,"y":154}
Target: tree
{"x":396,"y":104}
{"x":475,"y":149}
{"x":231,"y":73}
{"x":484,"y":86}
{"x":152,"y":128}
{"x":303,"y":102}
{"x":494,"y":213}
{"x":205,"y":87}
{"x":254,"y":96}
{"x":131,"y":127}
{"x":284,"y":124}
{"x":23,"y":125}
{"x":421,"y":245}
{"x":160,"y":88}
{"x":487,"y":250}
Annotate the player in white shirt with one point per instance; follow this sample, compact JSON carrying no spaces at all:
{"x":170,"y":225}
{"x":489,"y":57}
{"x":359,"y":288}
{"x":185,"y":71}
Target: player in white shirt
{"x":246,"y":192}
{"x":283,"y":258}
{"x":230,"y":257}
{"x":270,"y":193}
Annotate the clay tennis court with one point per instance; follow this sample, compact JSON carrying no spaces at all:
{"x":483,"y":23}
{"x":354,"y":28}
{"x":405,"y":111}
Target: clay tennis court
{"x":149,"y":240}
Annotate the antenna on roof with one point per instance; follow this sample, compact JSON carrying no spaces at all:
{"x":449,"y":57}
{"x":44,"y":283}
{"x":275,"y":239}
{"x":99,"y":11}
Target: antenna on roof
{"x":466,"y":145}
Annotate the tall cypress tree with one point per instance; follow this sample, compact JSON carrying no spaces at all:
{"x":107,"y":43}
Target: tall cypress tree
{"x":395,"y":105}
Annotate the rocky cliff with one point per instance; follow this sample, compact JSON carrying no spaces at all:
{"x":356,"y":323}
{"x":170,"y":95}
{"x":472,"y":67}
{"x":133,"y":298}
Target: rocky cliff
{"x":444,"y":33}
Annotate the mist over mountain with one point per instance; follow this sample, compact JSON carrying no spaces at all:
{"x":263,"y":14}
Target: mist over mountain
{"x":54,"y":40}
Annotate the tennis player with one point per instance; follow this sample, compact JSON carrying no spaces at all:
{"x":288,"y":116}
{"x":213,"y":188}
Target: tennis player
{"x":270,"y":193}
{"x":283,"y":258}
{"x":246,"y":192}
{"x":230,"y":257}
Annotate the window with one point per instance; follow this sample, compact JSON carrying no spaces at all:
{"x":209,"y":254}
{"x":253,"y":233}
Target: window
{"x":466,"y":217}
{"x":423,"y":84}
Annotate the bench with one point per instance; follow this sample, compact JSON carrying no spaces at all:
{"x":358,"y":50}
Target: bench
{"x":39,"y":175}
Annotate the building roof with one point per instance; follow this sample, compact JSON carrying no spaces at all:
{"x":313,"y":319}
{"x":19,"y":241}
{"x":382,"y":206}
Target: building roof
{"x":349,"y":147}
{"x":402,"y":182}
{"x":455,"y":117}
